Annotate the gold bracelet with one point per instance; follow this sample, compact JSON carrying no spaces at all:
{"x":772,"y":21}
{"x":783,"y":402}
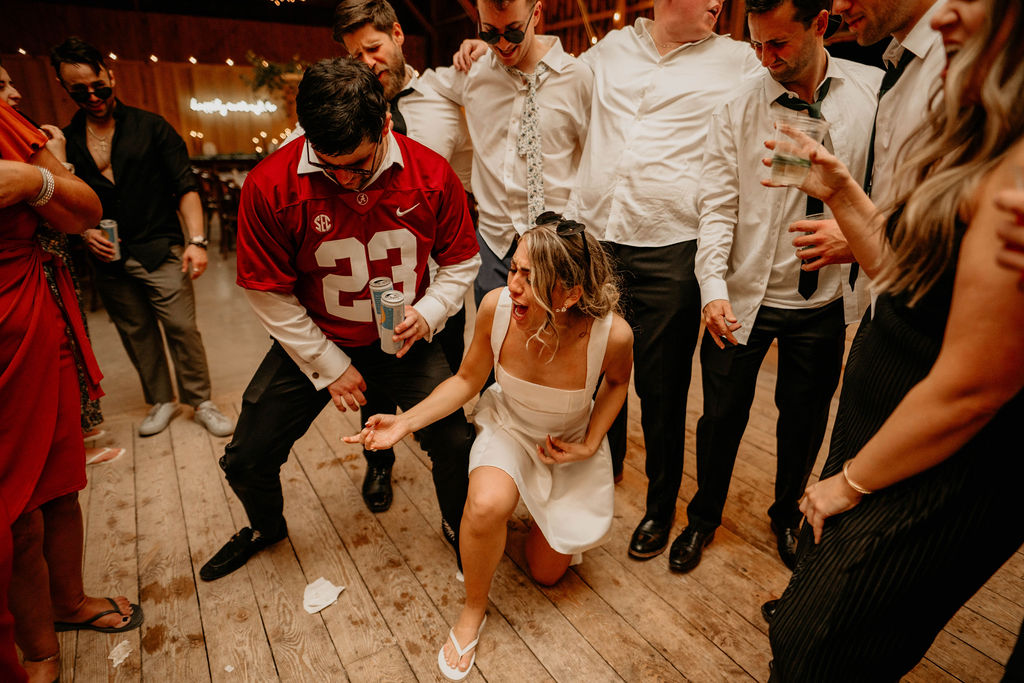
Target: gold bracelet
{"x":853,"y":485}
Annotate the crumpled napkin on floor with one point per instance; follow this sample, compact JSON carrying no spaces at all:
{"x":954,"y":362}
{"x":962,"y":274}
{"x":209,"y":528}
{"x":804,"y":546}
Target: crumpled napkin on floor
{"x":120,"y":653}
{"x":320,"y":594}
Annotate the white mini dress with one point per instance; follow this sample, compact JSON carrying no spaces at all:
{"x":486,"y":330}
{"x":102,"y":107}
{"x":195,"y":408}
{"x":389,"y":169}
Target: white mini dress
{"x":571,"y":503}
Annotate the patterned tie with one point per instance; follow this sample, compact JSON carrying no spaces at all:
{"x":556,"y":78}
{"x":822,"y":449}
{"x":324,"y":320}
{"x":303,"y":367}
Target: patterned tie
{"x":528,"y":142}
{"x":808,"y":279}
{"x":397,"y":120}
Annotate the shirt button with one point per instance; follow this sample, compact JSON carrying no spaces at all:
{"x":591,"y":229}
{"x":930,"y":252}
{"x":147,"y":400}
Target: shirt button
{"x":316,"y":375}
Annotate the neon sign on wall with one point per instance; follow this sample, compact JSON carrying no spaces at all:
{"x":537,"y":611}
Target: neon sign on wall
{"x":217,"y":106}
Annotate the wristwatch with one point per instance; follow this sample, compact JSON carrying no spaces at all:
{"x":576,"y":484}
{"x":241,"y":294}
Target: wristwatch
{"x":200,"y":242}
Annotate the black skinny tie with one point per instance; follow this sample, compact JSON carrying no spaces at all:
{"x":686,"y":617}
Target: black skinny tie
{"x":397,"y":120}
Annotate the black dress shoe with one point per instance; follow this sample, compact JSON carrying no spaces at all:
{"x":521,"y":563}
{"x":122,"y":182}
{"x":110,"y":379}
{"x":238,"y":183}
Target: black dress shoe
{"x":377,"y":487}
{"x":785,"y":541}
{"x":649,"y":539}
{"x":237,"y":552}
{"x":768,"y":610}
{"x":686,"y":550}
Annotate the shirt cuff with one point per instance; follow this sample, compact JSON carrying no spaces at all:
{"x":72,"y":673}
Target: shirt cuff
{"x":325,"y":368}
{"x":434,"y":313}
{"x":711,"y":290}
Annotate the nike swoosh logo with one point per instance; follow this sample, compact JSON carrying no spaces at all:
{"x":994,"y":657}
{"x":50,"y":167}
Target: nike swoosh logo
{"x":400,"y":213}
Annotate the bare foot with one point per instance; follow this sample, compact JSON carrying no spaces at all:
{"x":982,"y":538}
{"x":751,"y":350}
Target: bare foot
{"x":90,"y":607}
{"x":466,"y":630}
{"x":44,"y":670}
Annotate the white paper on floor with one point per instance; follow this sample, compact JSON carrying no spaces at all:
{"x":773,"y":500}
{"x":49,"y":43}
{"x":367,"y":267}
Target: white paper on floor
{"x":120,"y":653}
{"x":320,"y":594}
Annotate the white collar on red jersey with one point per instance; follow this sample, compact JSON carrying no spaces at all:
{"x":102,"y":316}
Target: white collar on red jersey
{"x":393,"y":156}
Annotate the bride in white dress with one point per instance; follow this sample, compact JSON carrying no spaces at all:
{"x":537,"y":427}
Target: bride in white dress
{"x":550,"y":336}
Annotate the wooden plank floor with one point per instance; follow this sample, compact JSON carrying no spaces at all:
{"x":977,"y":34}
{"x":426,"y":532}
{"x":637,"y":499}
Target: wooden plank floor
{"x":155,"y":516}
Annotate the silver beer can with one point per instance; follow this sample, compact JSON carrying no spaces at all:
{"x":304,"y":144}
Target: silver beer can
{"x":392,"y":306}
{"x":378,"y":286}
{"x":109,"y":228}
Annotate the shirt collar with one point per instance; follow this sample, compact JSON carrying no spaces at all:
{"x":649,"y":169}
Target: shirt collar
{"x":555,"y":58}
{"x":773,"y":89}
{"x":643,"y":30}
{"x":414,"y":81}
{"x":921,"y":39}
{"x":393,"y":157}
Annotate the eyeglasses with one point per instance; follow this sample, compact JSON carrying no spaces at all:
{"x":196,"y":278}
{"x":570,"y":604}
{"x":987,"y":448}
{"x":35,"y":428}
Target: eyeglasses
{"x":514,"y":36}
{"x":81,"y":95}
{"x":330,"y":169}
{"x":566,"y":229}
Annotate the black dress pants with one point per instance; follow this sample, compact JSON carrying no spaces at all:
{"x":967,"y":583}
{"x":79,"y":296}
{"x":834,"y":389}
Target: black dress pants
{"x":661,"y":301}
{"x":280,"y":404}
{"x":810,"y":347}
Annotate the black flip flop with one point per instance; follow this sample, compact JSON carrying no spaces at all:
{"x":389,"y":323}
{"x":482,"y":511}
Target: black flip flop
{"x":134,"y":621}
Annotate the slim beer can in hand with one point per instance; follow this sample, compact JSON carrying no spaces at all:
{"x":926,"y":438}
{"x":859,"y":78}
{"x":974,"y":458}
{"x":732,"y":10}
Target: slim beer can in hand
{"x":378,"y":286}
{"x":392,"y":306}
{"x":109,"y":228}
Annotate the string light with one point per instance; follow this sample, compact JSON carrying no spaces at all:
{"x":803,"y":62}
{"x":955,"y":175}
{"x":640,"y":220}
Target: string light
{"x":616,"y":17}
{"x":593,"y":40}
{"x":259,"y":150}
{"x":153,"y":59}
{"x":263,"y":134}
{"x":229,"y":61}
{"x":193,"y":60}
{"x":255,"y":141}
{"x":112,"y":56}
{"x":21,"y":51}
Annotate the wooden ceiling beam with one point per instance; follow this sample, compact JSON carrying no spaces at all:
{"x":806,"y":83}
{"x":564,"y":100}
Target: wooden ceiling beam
{"x":469,"y":9}
{"x":420,"y":18}
{"x":598,"y":16}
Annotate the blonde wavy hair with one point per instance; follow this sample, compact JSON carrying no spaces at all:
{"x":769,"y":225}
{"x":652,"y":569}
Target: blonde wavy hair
{"x":979,"y":119}
{"x":560,"y":260}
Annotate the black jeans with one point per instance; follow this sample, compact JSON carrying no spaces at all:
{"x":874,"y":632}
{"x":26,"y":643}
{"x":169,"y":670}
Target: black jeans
{"x":810,"y":347}
{"x":661,"y":301}
{"x":280,"y":404}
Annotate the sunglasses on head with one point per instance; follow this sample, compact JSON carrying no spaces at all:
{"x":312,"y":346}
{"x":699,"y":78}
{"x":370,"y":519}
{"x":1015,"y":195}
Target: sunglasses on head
{"x":491,"y":36}
{"x":566,"y":229}
{"x":81,"y":95}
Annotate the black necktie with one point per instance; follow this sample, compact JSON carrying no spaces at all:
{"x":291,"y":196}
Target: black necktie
{"x":813,"y":109}
{"x":892,"y":74}
{"x":397,"y":120}
{"x":808,"y":279}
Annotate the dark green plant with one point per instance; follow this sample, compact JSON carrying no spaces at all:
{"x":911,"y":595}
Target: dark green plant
{"x":270,"y":75}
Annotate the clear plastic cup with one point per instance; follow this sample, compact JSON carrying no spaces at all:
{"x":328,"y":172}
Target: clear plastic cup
{"x":791,"y":161}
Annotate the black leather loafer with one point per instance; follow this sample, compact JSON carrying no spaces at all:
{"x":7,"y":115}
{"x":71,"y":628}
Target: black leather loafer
{"x":377,"y":492}
{"x":236,"y":552}
{"x":686,"y":550}
{"x":785,"y":541}
{"x":650,"y":538}
{"x":768,"y":610}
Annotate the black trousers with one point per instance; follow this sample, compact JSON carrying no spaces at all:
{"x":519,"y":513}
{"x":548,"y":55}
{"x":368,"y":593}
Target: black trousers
{"x":810,"y":347}
{"x":280,"y":404}
{"x":661,"y":301}
{"x":452,"y":344}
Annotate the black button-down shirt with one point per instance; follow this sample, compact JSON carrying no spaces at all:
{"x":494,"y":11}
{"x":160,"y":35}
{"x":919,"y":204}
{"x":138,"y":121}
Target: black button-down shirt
{"x":151,"y":173}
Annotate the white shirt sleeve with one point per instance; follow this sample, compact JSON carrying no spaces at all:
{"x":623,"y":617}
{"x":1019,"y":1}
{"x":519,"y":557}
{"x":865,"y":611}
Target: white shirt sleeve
{"x":287,"y":321}
{"x":718,"y":207}
{"x":448,"y":82}
{"x":446,"y":293}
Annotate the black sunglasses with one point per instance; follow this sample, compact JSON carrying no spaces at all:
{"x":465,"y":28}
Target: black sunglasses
{"x":514,"y":36}
{"x":566,"y":229}
{"x":82,"y":96}
{"x":361,"y":172}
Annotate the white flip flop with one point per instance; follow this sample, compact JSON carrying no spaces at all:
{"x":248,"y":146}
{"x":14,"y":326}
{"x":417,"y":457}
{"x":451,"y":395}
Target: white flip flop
{"x":106,"y":455}
{"x":453,"y":673}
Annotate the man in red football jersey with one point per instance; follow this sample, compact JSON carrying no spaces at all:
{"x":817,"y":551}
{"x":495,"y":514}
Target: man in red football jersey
{"x":348,"y":202}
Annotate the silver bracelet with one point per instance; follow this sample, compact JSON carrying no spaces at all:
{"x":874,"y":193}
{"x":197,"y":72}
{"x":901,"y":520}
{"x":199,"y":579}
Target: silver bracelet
{"x":46,"y":191}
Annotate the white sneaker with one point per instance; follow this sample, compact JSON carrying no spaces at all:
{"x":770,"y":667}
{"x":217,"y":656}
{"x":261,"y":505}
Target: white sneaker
{"x":209,"y":416}
{"x":159,"y":417}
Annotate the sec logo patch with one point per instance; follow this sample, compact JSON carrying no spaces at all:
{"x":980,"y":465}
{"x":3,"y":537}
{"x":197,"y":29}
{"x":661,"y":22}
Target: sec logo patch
{"x":322,"y":222}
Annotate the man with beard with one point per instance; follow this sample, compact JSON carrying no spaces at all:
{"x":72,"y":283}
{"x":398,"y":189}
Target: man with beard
{"x":143,"y":178}
{"x":753,"y":290}
{"x":370,"y":31}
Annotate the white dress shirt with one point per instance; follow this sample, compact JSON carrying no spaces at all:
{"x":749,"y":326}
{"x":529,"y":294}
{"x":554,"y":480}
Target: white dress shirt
{"x":904,"y":108}
{"x":637,"y":183}
{"x":745,"y":251}
{"x":493,"y":99}
{"x":438,"y":123}
{"x":320,"y":359}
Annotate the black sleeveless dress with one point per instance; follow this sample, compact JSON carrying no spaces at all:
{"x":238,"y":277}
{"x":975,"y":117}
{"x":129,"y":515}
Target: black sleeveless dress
{"x":867,"y":602}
